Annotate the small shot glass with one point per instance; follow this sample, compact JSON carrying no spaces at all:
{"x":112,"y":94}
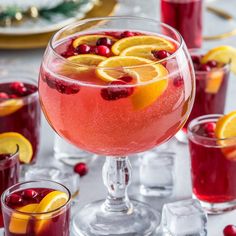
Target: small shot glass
{"x":183,"y":218}
{"x":156,"y":173}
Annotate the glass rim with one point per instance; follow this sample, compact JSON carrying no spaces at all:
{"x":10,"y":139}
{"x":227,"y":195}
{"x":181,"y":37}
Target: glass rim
{"x":3,"y":197}
{"x":12,"y":155}
{"x":202,"y":118}
{"x":81,"y":22}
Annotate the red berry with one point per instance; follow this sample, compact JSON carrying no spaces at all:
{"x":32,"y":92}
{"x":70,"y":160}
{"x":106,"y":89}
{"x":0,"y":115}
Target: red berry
{"x":83,"y":49}
{"x":178,"y":81}
{"x":18,"y":88}
{"x":4,"y":96}
{"x":29,"y":193}
{"x":103,"y":51}
{"x":66,"y":88}
{"x":14,"y":199}
{"x":127,"y":34}
{"x":204,"y":67}
{"x":161,"y":54}
{"x":126,"y":79}
{"x":116,"y":91}
{"x":212,"y":63}
{"x":104,"y":41}
{"x":81,"y":169}
{"x":230,"y":230}
{"x":13,"y":96}
{"x":210,"y":127}
{"x":196,"y":59}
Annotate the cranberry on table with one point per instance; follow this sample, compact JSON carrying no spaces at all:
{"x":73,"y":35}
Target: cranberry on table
{"x":83,"y":49}
{"x":104,"y":41}
{"x":29,"y":194}
{"x":230,"y":230}
{"x":103,"y":50}
{"x":160,"y":54}
{"x":81,"y":169}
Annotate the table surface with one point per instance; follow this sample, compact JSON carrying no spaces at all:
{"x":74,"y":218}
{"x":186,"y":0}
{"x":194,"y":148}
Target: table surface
{"x":91,"y":185}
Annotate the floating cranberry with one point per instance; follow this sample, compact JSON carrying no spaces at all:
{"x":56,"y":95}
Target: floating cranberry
{"x":14,"y":199}
{"x":83,"y":49}
{"x":126,"y":34}
{"x":210,"y":127}
{"x":178,"y":81}
{"x":3,"y":96}
{"x":204,"y":67}
{"x":103,"y":50}
{"x":13,"y":96}
{"x":126,"y":79}
{"x":81,"y":169}
{"x":51,"y":82}
{"x":212,"y":63}
{"x":230,"y":230}
{"x":116,"y":90}
{"x":196,"y":60}
{"x":29,"y":194}
{"x":104,"y":41}
{"x":161,"y":54}
{"x":66,"y":88}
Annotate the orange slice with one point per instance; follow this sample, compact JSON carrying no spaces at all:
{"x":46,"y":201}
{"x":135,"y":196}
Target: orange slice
{"x":91,"y":39}
{"x":124,"y":43}
{"x":19,"y":222}
{"x":214,"y":81}
{"x":87,"y":59}
{"x":8,"y":143}
{"x":10,"y":106}
{"x":143,"y":70}
{"x":223,"y":54}
{"x":52,"y":201}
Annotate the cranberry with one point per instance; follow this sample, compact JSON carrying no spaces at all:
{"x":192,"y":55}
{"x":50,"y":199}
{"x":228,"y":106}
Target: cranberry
{"x":126,"y":78}
{"x":212,"y":63}
{"x":81,"y":169}
{"x":29,"y":193}
{"x":196,"y":60}
{"x":230,"y":230}
{"x":161,"y":54}
{"x":103,"y":50}
{"x":204,"y":67}
{"x":14,"y":199}
{"x":51,"y":82}
{"x":126,"y":34}
{"x":115,"y":92}
{"x":3,"y":96}
{"x":104,"y":41}
{"x":178,"y":81}
{"x":83,"y":49}
{"x":210,"y":127}
{"x":17,"y":86}
{"x":66,"y":88}
{"x":13,"y":96}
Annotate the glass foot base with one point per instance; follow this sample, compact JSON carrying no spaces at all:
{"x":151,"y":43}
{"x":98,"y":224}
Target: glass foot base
{"x":218,"y":208}
{"x":93,"y":220}
{"x":181,"y":136}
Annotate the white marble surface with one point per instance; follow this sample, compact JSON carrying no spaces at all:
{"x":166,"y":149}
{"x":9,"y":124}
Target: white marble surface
{"x":91,"y":185}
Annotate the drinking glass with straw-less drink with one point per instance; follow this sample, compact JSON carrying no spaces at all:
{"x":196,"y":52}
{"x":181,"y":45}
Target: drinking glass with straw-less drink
{"x":116,"y":89}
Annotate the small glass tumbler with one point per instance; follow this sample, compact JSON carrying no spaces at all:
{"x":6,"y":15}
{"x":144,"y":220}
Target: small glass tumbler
{"x":9,"y":172}
{"x":213,"y":167}
{"x":183,"y":218}
{"x":156,"y":173}
{"x":27,"y":222}
{"x":20,"y":111}
{"x":186,"y":17}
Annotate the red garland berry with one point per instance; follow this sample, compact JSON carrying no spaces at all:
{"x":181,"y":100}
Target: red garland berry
{"x":29,"y":194}
{"x":230,"y":230}
{"x":104,"y":41}
{"x":103,"y":50}
{"x":81,"y":169}
{"x":83,"y":49}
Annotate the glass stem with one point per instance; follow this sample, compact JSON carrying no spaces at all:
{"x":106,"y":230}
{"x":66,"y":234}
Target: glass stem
{"x":116,"y":177}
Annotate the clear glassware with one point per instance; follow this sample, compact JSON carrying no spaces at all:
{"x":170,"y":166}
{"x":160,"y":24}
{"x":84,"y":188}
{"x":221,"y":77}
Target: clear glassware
{"x":213,"y":167}
{"x":18,"y":222}
{"x":183,"y":218}
{"x":115,"y":128}
{"x":9,"y":173}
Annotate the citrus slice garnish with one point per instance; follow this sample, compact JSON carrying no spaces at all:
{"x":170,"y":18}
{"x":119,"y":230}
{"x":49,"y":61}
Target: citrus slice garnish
{"x":214,"y":81}
{"x":223,"y":54}
{"x":52,"y":201}
{"x":19,"y":222}
{"x":87,"y":59}
{"x":8,"y":143}
{"x":91,"y":39}
{"x":226,"y":128}
{"x":124,"y":43}
{"x":142,"y":70}
{"x":10,"y":106}
{"x":144,"y":51}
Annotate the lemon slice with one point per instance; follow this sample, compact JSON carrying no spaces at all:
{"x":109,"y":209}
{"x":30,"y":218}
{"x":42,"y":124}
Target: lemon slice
{"x":143,"y":70}
{"x":224,"y":54}
{"x":50,"y":202}
{"x":91,"y":39}
{"x":214,"y":81}
{"x":87,"y":59}
{"x":10,"y":106}
{"x":124,"y":43}
{"x":19,"y":222}
{"x":144,"y":51}
{"x":8,"y":143}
